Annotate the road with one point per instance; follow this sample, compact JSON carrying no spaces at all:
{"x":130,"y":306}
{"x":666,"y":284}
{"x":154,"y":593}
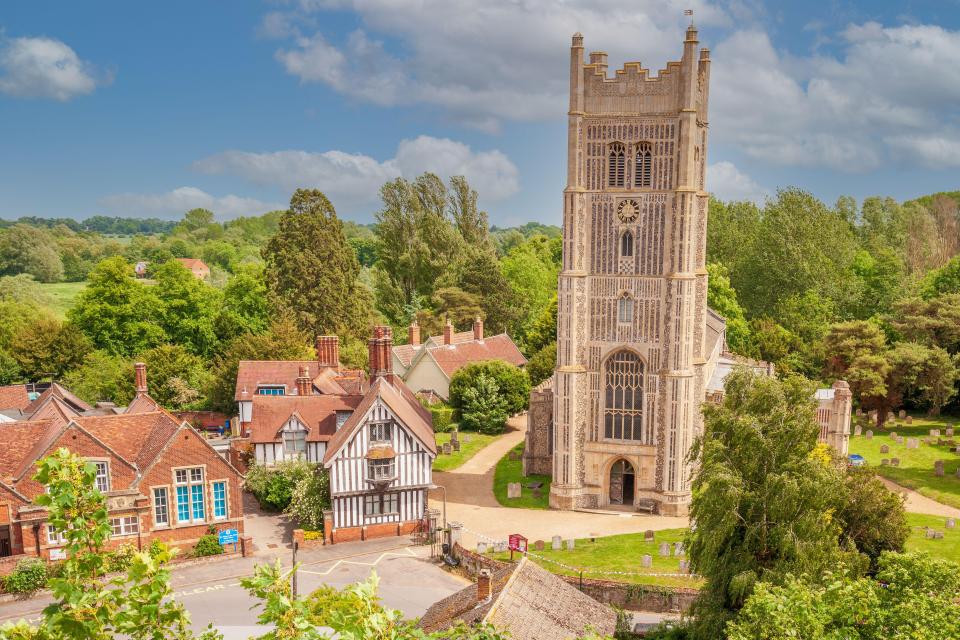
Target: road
{"x":211,"y":593}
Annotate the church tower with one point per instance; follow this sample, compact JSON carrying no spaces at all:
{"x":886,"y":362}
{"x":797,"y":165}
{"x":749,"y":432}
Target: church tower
{"x":631,"y":350}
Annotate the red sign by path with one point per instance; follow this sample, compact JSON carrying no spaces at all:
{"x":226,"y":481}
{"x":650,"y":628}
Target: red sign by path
{"x":517,"y":542}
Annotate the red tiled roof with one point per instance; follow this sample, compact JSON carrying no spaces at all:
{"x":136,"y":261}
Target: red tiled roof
{"x":55,"y":410}
{"x":14,"y":396}
{"x":191,"y":263}
{"x":450,"y":358}
{"x":137,"y":438}
{"x":143,"y":403}
{"x":455,"y":338}
{"x":61,"y":392}
{"x":406,"y":352}
{"x":254,"y":373}
{"x":19,"y":441}
{"x":401,"y":401}
{"x":318,"y":412}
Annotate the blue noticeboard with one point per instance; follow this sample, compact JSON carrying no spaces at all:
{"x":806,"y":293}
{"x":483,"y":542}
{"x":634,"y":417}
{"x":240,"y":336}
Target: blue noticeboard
{"x":228,"y":536}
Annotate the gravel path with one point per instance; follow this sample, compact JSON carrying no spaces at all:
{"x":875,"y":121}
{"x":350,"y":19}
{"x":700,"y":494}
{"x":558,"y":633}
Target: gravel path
{"x":917,"y":503}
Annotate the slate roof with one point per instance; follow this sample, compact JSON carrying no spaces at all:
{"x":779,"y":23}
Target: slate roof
{"x":452,"y":357}
{"x":529,"y":603}
{"x":326,"y":380}
{"x":14,"y":396}
{"x":318,"y":413}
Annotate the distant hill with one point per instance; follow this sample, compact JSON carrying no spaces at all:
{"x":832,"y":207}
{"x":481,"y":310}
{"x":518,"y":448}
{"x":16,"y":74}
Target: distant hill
{"x":100,"y":224}
{"x":928,"y":199}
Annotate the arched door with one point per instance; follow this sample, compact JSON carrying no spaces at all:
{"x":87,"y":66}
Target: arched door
{"x":622,"y":483}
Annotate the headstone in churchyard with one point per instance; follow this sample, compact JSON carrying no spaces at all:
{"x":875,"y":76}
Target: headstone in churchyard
{"x":646,"y":561}
{"x":858,"y":430}
{"x":467,"y":437}
{"x":514,"y":455}
{"x":456,"y":445}
{"x":556,"y":543}
{"x":938,"y":535}
{"x":884,"y":449}
{"x":893,"y":435}
{"x":481,"y":547}
{"x":684,"y":566}
{"x":948,"y":432}
{"x":902,"y":413}
{"x":951,"y":523}
{"x":899,"y":440}
{"x":513,"y":490}
{"x":934,"y":433}
{"x":930,"y":533}
{"x":665,"y":549}
{"x":912,"y":443}
{"x":884,"y":462}
{"x":538,"y":545}
{"x":447,"y":449}
{"x":537,"y":494}
{"x":678,"y":549}
{"x":908,"y":419}
{"x":869,"y":434}
{"x":894,"y":462}
{"x":648,"y":535}
{"x":958,"y":471}
{"x":571,"y":544}
{"x":938,"y":468}
{"x":859,"y":411}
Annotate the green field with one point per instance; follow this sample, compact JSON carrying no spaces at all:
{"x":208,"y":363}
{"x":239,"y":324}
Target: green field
{"x":948,"y":548}
{"x":508,"y":471}
{"x":470,"y":444}
{"x":63,"y":295}
{"x":916,"y":465}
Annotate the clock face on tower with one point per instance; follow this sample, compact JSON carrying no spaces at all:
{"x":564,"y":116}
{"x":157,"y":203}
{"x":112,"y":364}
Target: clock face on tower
{"x":628,"y":211}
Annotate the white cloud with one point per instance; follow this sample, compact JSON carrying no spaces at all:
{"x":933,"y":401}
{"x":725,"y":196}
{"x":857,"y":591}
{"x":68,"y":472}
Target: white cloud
{"x":726,"y":182}
{"x":352,"y":180}
{"x":174,"y":204}
{"x":45,"y":68}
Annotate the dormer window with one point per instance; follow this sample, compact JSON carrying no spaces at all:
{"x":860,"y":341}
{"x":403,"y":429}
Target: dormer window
{"x":616,"y":165}
{"x":271,"y":390}
{"x":643,"y":168}
{"x":294,"y":442}
{"x":342,"y":417}
{"x":380,"y":432}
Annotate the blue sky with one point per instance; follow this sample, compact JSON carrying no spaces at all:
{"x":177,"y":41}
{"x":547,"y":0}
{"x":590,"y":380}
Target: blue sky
{"x":148,"y":109}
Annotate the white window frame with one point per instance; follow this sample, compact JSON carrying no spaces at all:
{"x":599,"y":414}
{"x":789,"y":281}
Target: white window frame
{"x":381,"y":504}
{"x":226,"y":499}
{"x":105,"y":476}
{"x":191,"y":480}
{"x":382,"y":469}
{"x":127,"y":526}
{"x":381,"y":432}
{"x":55,"y":538}
{"x":294,"y":437}
{"x":166,"y":506}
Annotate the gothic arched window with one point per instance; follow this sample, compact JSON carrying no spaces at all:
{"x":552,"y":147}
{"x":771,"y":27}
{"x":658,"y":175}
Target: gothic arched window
{"x":643,"y":170}
{"x":617,"y":165}
{"x":623,"y":399}
{"x":626,"y":245}
{"x":625,"y":308}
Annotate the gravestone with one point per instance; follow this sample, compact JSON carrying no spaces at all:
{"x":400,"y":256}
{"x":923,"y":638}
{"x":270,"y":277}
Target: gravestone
{"x":948,"y":432}
{"x":902,"y":413}
{"x":664,"y":549}
{"x":447,"y":449}
{"x":502,"y":546}
{"x":678,"y":549}
{"x":456,"y":445}
{"x":513,"y":490}
{"x":893,"y":435}
{"x":646,"y":561}
{"x":884,"y":462}
{"x":538,"y":545}
{"x":467,"y":437}
{"x":556,"y":543}
{"x":934,"y":433}
{"x":958,"y":472}
{"x":912,"y":443}
{"x":899,"y":440}
{"x":648,"y":535}
{"x":894,"y":462}
{"x":481,"y":547}
{"x":537,"y":494}
{"x":938,"y":468}
{"x":951,"y":523}
{"x":859,"y":411}
{"x":514,"y":455}
{"x":571,"y":544}
{"x":869,"y":434}
{"x":957,"y":450}
{"x":858,"y":430}
{"x":684,"y":566}
{"x":908,"y":419}
{"x":884,"y":449}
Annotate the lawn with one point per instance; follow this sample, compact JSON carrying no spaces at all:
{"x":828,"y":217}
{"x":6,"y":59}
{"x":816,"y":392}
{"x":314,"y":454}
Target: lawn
{"x":948,"y":548}
{"x":916,"y":465}
{"x":470,"y":444}
{"x":508,"y":471}
{"x":63,"y":295}
{"x":610,"y":557}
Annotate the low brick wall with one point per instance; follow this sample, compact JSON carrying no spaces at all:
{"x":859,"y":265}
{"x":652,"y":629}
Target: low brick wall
{"x":632,"y":597}
{"x":9,"y":563}
{"x":370,"y":532}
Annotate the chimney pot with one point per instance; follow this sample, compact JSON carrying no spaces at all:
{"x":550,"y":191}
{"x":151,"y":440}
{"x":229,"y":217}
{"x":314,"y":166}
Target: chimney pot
{"x":328,"y":351}
{"x":304,"y":384}
{"x":448,"y":333}
{"x":478,"y":329}
{"x":483,"y":585}
{"x":140,"y":377}
{"x":413,"y":334}
{"x":380,"y":350}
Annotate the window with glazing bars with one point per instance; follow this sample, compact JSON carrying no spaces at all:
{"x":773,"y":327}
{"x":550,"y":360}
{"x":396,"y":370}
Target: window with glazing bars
{"x":220,"y":499}
{"x":643,"y":169}
{"x":617,"y":165}
{"x":623,"y":397}
{"x":625,"y":309}
{"x":626,"y":245}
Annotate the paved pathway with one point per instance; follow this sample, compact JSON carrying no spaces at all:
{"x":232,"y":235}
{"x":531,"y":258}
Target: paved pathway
{"x":270,"y":531}
{"x":470,"y":500}
{"x":917,"y":503}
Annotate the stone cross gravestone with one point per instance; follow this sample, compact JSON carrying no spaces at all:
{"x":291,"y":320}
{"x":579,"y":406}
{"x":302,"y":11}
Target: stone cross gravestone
{"x":646,"y":561}
{"x":556,"y":543}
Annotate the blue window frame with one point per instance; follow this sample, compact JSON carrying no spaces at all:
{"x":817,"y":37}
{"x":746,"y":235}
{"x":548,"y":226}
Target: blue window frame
{"x":220,"y":499}
{"x":197,"y":495}
{"x":271,"y":390}
{"x":183,"y":504}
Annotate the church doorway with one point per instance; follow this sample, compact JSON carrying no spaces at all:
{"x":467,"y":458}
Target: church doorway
{"x":622,"y":483}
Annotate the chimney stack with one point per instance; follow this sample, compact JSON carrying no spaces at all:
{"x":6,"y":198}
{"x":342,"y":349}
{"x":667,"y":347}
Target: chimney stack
{"x":381,"y":354}
{"x":448,"y":333}
{"x":483,"y":585}
{"x":304,"y":384}
{"x":328,"y":351}
{"x":413,"y":333}
{"x":140,"y":378}
{"x":478,"y":329}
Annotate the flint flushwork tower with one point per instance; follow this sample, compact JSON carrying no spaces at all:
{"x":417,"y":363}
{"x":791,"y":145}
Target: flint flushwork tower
{"x":631,"y":351}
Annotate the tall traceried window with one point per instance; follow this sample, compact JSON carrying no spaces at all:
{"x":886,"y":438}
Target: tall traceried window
{"x":623,"y":397}
{"x":643,"y":169}
{"x":626,"y":245}
{"x":625,"y":309}
{"x":617,"y":165}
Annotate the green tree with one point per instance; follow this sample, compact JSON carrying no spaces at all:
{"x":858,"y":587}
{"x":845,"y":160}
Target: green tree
{"x":456,"y":305}
{"x":478,"y":272}
{"x":246,"y":305}
{"x":482,"y":406}
{"x":761,"y":501}
{"x":470,"y":222}
{"x":542,"y":331}
{"x":311,"y":271}
{"x":513,"y":383}
{"x":541,"y":365}
{"x":934,"y":322}
{"x":177,"y":378}
{"x":23,"y":288}
{"x":116,"y":312}
{"x":310,"y":498}
{"x":723,"y":299}
{"x":48,"y":348}
{"x":871,"y":516}
{"x":188,"y":308}
{"x":532,"y":274}
{"x":27,"y":249}
{"x":731,"y":227}
{"x":102,"y":377}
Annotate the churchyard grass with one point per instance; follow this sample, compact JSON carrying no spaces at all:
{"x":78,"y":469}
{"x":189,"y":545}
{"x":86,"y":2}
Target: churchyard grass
{"x":947,"y":548}
{"x":63,"y":295}
{"x":477,"y":441}
{"x":916,"y":465}
{"x":608,"y":557}
{"x":508,"y":471}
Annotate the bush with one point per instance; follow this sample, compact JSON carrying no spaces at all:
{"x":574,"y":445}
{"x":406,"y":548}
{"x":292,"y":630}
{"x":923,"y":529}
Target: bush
{"x":207,"y":545}
{"x":29,"y":575}
{"x":120,"y":558}
{"x":541,"y":365}
{"x":513,"y":384}
{"x":273,"y":487}
{"x":156,"y":548}
{"x":311,"y":496}
{"x":484,"y":409}
{"x":442,"y":417}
